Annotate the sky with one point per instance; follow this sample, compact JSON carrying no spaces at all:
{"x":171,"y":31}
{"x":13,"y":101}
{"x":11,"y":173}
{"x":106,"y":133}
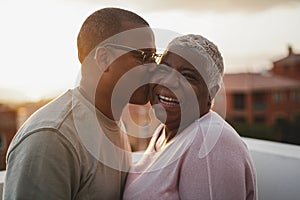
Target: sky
{"x":38,"y":38}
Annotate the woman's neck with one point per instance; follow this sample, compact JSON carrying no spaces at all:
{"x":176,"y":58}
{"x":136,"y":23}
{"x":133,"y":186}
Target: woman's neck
{"x":169,"y":133}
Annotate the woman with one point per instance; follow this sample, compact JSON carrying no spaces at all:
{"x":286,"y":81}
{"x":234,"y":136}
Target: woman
{"x":194,"y":154}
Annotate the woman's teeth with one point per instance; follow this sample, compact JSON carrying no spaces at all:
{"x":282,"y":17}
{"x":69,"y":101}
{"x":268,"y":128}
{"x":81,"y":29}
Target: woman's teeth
{"x":168,"y":100}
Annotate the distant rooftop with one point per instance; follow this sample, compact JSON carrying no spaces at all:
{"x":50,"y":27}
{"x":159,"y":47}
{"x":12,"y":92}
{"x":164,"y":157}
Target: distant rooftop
{"x":5,"y":108}
{"x":257,"y":81}
{"x":291,"y":56}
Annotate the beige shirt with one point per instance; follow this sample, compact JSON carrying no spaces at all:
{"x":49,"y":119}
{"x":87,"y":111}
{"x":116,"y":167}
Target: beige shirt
{"x":67,"y":150}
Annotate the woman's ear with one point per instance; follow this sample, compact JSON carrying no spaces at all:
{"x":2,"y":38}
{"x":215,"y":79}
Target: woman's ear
{"x":213,"y":91}
{"x":102,"y":59}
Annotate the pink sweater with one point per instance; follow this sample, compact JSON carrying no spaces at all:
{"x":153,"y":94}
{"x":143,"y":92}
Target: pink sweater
{"x":208,"y":160}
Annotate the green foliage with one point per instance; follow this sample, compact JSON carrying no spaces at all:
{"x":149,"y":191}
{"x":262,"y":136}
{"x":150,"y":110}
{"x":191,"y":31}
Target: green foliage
{"x":282,"y":131}
{"x":257,"y":130}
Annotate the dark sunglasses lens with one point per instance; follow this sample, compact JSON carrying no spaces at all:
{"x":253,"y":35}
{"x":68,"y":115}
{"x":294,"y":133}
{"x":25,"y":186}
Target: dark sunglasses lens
{"x":150,"y":58}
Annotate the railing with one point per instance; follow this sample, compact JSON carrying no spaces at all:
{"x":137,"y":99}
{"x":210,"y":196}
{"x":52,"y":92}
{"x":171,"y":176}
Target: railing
{"x":277,"y":166}
{"x":2,"y":174}
{"x":278,"y":169}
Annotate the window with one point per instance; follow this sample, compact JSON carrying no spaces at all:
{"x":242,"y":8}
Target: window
{"x":278,"y":97}
{"x":259,"y":101}
{"x":239,"y":101}
{"x":286,"y":68}
{"x":295,"y":95}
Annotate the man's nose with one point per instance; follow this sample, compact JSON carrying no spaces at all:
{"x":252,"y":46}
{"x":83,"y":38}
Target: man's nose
{"x":150,"y":70}
{"x":151,"y":67}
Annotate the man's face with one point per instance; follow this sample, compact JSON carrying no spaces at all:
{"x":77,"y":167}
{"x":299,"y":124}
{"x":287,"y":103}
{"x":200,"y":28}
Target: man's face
{"x":132,"y":60}
{"x":177,"y":84}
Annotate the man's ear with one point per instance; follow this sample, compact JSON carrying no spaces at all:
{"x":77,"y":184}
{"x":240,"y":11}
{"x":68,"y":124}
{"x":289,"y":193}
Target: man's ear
{"x":102,"y":59}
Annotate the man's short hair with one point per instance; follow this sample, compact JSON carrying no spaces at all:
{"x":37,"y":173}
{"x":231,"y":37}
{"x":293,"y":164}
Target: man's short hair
{"x":101,"y":25}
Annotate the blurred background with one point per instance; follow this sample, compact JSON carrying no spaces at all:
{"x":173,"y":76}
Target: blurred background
{"x":259,"y":41}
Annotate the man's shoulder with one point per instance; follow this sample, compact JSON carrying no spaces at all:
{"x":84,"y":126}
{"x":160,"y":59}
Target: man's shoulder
{"x":50,"y":117}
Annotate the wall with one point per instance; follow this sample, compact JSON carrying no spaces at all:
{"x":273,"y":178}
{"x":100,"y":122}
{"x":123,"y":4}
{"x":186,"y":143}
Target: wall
{"x":277,"y":165}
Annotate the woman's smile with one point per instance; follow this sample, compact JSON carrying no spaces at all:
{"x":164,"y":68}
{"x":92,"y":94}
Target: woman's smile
{"x":168,"y":101}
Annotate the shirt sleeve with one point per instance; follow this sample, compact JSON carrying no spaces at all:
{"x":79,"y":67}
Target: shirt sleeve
{"x":42,"y":166}
{"x":226,"y":173}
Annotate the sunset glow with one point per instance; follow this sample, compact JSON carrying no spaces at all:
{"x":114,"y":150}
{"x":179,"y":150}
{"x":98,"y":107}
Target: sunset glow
{"x":38,"y":39}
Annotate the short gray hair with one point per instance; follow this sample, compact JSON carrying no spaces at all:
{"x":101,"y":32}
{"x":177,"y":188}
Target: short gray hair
{"x":203,"y":46}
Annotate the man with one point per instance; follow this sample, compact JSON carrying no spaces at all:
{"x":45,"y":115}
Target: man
{"x":73,"y":147}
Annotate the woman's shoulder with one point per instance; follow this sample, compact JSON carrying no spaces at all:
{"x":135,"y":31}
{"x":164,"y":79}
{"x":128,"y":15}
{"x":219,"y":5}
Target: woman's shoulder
{"x":215,"y":134}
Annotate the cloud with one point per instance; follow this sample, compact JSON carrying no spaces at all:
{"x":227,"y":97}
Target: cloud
{"x":201,"y":5}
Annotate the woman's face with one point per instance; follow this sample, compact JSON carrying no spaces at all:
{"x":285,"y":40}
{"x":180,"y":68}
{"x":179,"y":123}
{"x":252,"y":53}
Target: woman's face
{"x":178,"y":91}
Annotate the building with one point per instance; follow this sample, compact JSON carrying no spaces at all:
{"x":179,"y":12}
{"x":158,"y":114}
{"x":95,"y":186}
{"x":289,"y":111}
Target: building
{"x":8,"y":128}
{"x":264,"y":97}
{"x":261,"y":98}
{"x":264,"y":105}
{"x":288,"y":66}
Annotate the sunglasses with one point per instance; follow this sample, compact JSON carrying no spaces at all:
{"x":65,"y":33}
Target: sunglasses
{"x":144,"y":57}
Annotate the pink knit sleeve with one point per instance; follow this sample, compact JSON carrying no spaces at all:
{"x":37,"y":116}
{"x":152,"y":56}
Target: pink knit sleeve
{"x":227,"y":172}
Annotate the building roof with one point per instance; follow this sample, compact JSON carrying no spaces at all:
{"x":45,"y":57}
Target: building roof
{"x":291,"y":56}
{"x":258,"y":81}
{"x":5,"y":108}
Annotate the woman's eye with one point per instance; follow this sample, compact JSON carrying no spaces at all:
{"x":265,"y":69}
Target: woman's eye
{"x":189,"y":76}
